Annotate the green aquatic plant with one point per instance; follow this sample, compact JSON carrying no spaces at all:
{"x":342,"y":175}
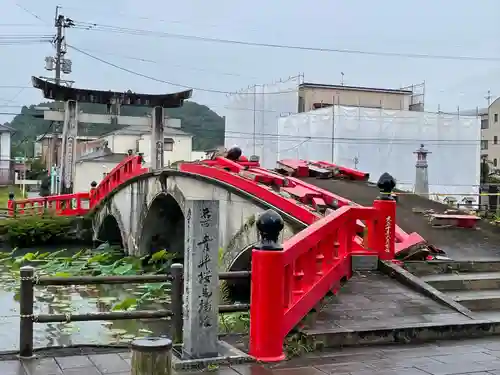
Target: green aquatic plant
{"x":105,"y":261}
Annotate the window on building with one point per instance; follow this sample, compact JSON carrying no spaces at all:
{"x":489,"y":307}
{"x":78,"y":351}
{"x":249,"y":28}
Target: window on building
{"x":496,"y":117}
{"x":484,"y":124}
{"x":495,"y":140}
{"x":168,"y":145}
{"x":484,"y":145}
{"x":321,"y":105}
{"x":495,"y":162}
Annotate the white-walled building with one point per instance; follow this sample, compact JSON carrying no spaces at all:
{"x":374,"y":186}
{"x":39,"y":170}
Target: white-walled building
{"x":102,"y":155}
{"x":6,"y":164}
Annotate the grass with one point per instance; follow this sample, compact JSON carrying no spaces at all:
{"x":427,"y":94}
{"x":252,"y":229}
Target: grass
{"x":4,"y":194}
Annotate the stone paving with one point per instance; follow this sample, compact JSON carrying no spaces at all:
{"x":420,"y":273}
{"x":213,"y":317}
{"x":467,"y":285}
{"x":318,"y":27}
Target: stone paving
{"x":373,"y":300}
{"x":478,"y":357}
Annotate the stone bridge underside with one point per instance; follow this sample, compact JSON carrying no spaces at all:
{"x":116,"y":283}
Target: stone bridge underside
{"x":146,"y":214}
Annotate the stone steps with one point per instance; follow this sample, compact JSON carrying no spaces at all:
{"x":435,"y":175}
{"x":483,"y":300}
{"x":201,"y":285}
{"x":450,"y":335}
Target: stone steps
{"x":464,"y":281}
{"x":477,"y":300}
{"x":438,"y":267}
{"x":473,"y":284}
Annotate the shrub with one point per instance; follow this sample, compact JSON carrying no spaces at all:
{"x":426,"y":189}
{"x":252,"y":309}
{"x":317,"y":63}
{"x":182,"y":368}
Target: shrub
{"x":36,"y":230}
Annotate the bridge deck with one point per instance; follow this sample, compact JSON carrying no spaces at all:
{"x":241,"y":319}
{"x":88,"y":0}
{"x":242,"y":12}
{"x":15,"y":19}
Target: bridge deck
{"x":375,"y":301}
{"x":484,"y":242}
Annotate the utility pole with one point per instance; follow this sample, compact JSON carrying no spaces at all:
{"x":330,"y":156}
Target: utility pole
{"x":59,"y":21}
{"x":58,"y":63}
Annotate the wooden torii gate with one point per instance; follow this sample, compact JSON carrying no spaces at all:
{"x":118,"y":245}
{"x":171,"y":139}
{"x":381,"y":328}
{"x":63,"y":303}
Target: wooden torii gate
{"x":71,"y":116}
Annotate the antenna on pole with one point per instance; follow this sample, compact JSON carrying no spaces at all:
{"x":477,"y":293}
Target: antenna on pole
{"x":489,"y":97}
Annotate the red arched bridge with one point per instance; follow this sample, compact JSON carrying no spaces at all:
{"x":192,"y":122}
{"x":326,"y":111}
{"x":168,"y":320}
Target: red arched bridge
{"x":321,"y":232}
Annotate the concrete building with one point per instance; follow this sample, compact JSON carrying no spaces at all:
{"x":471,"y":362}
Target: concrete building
{"x":490,"y":133}
{"x":6,"y":162}
{"x":48,"y":148}
{"x":314,"y":96}
{"x":102,"y":155}
{"x":94,"y":167}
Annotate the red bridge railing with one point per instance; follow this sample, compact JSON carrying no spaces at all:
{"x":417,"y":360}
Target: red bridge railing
{"x":61,"y":205}
{"x":127,"y":169}
{"x":79,"y":203}
{"x":289,"y":281}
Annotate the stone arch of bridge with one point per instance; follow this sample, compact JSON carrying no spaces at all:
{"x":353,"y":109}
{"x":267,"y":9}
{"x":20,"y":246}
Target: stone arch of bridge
{"x":109,"y":231}
{"x":240,"y":289}
{"x":163,"y":227}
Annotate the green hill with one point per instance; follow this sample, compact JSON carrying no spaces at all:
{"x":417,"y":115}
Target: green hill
{"x":199,"y":120}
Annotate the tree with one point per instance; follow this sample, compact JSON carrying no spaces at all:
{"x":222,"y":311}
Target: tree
{"x":205,"y":125}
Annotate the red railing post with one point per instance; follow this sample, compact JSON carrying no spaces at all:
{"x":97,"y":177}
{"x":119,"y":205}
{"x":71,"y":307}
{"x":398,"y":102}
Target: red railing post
{"x":92,"y":193}
{"x":384,"y":229}
{"x":11,"y":204}
{"x":267,"y":298}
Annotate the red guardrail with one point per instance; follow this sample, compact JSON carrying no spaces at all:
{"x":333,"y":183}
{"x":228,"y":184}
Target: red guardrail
{"x":80,"y":203}
{"x":62,"y":205}
{"x":300,"y":168}
{"x":127,"y":169}
{"x":243,"y":175}
{"x":287,"y":284}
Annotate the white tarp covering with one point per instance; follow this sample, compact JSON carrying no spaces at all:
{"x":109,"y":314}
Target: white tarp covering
{"x":252,"y":118}
{"x":378,"y":141}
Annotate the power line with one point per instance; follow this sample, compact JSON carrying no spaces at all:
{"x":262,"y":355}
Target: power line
{"x":276,"y":136}
{"x":30,"y":12}
{"x":89,"y":26}
{"x":163,"y":62}
{"x":122,"y":14}
{"x":15,"y":87}
{"x":372,"y":118}
{"x":161,"y":80}
{"x":20,"y":25}
{"x":23,"y":39}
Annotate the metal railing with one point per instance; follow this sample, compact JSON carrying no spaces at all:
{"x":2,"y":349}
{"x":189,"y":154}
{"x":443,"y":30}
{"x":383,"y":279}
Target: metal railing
{"x":29,"y":280}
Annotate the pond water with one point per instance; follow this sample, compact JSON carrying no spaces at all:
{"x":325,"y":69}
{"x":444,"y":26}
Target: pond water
{"x":78,"y":299}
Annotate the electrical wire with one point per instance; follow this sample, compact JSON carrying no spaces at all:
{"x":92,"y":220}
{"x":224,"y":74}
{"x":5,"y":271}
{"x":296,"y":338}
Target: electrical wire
{"x":327,"y":139}
{"x":320,"y":139}
{"x":163,"y":63}
{"x":15,"y":87}
{"x":93,"y":26}
{"x":116,"y":66}
{"x":33,"y":14}
{"x":23,"y":39}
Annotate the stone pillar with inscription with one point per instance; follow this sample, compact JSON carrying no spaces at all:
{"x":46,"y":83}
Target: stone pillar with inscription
{"x":157,"y":123}
{"x":201,"y":279}
{"x":68,"y":156}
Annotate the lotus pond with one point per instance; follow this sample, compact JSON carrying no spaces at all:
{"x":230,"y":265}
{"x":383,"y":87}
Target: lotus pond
{"x":103,"y":261}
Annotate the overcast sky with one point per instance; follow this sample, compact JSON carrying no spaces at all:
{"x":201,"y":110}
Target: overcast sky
{"x":434,"y":27}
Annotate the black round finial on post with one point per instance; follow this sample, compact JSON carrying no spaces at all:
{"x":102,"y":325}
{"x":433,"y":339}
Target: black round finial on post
{"x":234,"y":153}
{"x":270,"y":224}
{"x":130,"y":152}
{"x":11,"y":196}
{"x":386,"y":185}
{"x":93,"y":184}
